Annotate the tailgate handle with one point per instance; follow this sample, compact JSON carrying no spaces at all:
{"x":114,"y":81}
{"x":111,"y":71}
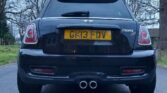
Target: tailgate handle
{"x":90,"y":26}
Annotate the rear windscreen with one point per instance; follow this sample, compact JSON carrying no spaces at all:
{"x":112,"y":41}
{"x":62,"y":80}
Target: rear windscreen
{"x":61,"y":8}
{"x":88,"y":1}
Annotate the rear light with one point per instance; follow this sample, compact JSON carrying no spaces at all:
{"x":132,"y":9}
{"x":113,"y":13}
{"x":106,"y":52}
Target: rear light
{"x":30,"y":36}
{"x":144,"y":36}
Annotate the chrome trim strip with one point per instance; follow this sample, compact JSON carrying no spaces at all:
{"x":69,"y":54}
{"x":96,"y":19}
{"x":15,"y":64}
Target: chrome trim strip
{"x":102,"y":18}
{"x":126,"y":77}
{"x":54,"y":77}
{"x":67,"y":77}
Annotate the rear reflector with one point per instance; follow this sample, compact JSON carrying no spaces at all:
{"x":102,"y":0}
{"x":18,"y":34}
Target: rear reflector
{"x":43,"y":71}
{"x":133,"y":71}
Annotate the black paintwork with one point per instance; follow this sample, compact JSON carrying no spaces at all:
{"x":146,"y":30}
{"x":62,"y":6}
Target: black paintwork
{"x":78,"y":67}
{"x":92,"y":59}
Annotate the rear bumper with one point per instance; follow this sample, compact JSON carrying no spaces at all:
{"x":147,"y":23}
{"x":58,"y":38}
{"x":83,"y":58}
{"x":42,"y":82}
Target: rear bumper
{"x":35,"y":79}
{"x":73,"y":68}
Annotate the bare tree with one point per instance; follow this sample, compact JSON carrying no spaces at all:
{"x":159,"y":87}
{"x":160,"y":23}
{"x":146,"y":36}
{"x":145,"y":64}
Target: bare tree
{"x":5,"y":35}
{"x":36,"y":7}
{"x":2,"y":4}
{"x":22,"y":12}
{"x":145,"y":10}
{"x":163,"y":24}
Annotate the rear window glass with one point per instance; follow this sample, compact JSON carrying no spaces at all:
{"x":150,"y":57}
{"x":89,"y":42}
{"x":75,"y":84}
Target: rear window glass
{"x":88,"y":1}
{"x":115,"y":9}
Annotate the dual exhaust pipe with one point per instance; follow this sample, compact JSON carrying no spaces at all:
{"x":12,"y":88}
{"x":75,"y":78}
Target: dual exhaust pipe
{"x":84,"y":85}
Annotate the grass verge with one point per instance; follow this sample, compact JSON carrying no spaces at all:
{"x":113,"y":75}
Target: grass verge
{"x":8,"y":53}
{"x":163,"y":60}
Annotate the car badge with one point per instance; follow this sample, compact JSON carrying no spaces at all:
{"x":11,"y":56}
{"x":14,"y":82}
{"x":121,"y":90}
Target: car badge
{"x":128,"y":30}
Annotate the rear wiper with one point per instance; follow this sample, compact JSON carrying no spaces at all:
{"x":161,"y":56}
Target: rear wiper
{"x":76,"y":14}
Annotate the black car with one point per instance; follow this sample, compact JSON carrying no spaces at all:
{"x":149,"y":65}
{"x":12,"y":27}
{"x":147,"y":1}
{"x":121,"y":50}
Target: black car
{"x":89,"y":43}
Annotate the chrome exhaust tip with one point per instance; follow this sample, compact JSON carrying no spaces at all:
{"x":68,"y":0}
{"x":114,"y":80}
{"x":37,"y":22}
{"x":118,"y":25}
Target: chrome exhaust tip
{"x":83,"y":84}
{"x":93,"y":84}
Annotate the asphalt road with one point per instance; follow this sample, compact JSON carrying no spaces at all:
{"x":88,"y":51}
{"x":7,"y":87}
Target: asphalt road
{"x":8,"y":83}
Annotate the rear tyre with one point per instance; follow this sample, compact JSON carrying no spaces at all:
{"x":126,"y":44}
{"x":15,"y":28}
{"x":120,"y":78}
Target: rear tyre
{"x":144,"y":88}
{"x":27,"y":88}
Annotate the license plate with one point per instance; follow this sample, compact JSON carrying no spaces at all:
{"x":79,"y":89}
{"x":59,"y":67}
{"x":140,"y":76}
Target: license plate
{"x":73,"y":34}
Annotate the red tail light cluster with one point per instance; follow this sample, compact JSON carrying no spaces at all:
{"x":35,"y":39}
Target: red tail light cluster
{"x":30,"y":36}
{"x":144,"y":36}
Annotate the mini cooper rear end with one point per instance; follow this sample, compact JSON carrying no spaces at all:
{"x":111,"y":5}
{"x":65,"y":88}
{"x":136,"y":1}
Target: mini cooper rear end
{"x":86,"y":42}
